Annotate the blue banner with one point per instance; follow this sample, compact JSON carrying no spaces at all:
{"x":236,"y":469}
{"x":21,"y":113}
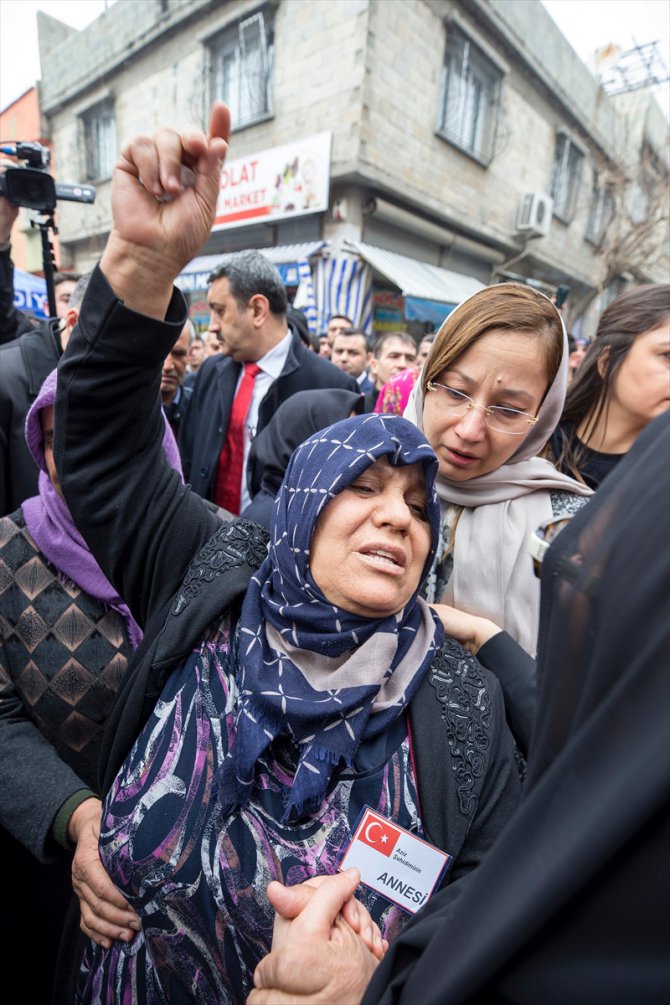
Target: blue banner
{"x":30,"y":293}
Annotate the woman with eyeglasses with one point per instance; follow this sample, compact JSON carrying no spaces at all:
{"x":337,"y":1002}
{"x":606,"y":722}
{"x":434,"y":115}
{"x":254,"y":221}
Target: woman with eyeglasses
{"x":488,"y":399}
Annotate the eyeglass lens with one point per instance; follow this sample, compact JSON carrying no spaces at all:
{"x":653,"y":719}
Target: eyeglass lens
{"x":498,"y":417}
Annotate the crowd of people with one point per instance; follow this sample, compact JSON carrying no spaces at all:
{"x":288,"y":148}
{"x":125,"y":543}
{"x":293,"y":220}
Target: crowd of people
{"x":255,"y":585}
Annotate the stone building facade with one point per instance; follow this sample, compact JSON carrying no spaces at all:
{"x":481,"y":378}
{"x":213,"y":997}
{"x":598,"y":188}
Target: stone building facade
{"x":468,"y":139}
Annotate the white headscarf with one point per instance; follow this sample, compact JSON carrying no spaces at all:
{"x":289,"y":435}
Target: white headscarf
{"x":493,"y":572}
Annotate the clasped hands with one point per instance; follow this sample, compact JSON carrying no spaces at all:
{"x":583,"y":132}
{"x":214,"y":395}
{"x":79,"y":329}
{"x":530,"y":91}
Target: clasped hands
{"x":325,"y":946}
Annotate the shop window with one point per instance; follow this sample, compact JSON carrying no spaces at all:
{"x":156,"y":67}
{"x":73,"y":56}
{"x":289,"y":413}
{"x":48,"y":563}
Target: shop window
{"x":471,"y":97}
{"x":565,"y":177}
{"x":242,"y":60}
{"x":99,"y":136}
{"x":600,"y":213}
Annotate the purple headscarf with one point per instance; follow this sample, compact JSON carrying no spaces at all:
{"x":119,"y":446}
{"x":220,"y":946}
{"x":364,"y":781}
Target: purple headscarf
{"x":49,"y":522}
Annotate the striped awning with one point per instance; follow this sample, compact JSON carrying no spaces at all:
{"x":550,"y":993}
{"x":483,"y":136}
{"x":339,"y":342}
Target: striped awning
{"x":286,"y":257}
{"x":417,"y":280}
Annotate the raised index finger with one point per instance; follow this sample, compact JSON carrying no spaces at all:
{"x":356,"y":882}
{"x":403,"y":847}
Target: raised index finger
{"x":219,"y":121}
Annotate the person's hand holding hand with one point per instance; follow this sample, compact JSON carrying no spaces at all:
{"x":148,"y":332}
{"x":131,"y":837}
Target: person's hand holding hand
{"x":164,"y":194}
{"x":318,"y":958}
{"x":290,"y":901}
{"x":468,"y":629}
{"x":105,"y":914}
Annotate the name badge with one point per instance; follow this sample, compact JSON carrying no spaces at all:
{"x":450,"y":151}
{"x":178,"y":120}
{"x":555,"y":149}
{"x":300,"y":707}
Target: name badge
{"x":400,"y":866}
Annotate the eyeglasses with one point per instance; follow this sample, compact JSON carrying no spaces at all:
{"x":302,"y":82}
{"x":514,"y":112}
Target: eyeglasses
{"x":498,"y":417}
{"x":541,"y":538}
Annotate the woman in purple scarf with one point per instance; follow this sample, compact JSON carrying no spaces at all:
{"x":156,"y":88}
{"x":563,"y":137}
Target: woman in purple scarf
{"x":65,"y":640}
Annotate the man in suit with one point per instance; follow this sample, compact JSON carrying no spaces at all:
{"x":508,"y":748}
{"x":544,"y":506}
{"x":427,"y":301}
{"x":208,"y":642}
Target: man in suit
{"x":350,"y":353}
{"x":24,"y":364}
{"x":391,"y":353}
{"x":175,"y":392}
{"x":247,"y":304}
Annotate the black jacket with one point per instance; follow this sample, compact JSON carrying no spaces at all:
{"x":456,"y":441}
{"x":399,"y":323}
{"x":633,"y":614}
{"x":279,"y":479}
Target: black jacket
{"x":570,"y":906}
{"x":13,"y":322}
{"x":24,"y":364}
{"x":178,"y":407}
{"x":204,"y":427}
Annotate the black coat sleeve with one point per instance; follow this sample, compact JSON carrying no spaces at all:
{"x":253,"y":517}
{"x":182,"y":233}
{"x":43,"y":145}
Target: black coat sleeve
{"x":465,"y":757}
{"x":140,"y":521}
{"x":12,"y":321}
{"x":516,"y":672}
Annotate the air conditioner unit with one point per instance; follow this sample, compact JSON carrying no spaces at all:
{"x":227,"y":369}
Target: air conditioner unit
{"x":534,"y":214}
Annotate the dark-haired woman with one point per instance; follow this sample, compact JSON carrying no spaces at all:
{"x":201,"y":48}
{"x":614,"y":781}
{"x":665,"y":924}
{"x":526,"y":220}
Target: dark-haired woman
{"x":622,"y":383}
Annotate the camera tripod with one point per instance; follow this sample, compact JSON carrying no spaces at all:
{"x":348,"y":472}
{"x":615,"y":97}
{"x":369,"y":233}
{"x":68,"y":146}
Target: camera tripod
{"x":45,"y":222}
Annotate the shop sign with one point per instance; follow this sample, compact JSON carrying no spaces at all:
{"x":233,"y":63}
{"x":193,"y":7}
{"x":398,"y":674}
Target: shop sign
{"x":277,"y":184}
{"x":389,"y":311}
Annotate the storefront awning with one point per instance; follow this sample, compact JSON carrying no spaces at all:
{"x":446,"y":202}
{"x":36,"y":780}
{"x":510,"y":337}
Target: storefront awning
{"x":427,"y":289}
{"x":286,"y":257}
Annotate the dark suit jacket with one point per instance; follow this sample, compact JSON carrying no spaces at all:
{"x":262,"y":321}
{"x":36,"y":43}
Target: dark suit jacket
{"x":204,"y":427}
{"x":367,"y":385}
{"x":24,"y":364}
{"x":371,"y":399}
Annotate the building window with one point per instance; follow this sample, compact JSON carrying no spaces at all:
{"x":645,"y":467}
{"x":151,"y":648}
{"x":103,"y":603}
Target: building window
{"x":471,"y":97}
{"x":648,"y":191}
{"x":600,"y":213}
{"x":565,"y":177}
{"x":242,"y":61}
{"x":99,"y":130}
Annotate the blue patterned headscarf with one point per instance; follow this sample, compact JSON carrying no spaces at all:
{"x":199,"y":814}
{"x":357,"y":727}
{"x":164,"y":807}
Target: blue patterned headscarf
{"x":307,"y":669}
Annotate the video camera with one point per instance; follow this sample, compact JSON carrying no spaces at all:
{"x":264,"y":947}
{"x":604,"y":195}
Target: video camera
{"x":32,"y":186}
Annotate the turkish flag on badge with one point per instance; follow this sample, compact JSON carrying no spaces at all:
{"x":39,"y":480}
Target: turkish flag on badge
{"x":378,"y":833}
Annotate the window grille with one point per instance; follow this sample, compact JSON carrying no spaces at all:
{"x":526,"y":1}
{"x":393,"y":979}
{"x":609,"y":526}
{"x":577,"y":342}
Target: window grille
{"x":565,"y":177}
{"x":471,"y":97}
{"x":242,"y":69}
{"x":99,"y":133}
{"x":600,"y":213}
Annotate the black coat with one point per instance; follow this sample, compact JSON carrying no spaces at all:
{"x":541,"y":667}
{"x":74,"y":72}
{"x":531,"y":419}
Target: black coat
{"x":13,"y":322}
{"x":570,"y":905}
{"x":24,"y":364}
{"x":204,"y":427}
{"x":303,"y":414}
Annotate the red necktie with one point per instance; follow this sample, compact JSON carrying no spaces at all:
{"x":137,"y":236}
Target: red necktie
{"x":228,"y":490}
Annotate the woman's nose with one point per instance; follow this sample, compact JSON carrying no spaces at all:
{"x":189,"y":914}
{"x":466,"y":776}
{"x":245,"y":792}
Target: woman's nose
{"x":472,"y":425}
{"x":393,"y":509}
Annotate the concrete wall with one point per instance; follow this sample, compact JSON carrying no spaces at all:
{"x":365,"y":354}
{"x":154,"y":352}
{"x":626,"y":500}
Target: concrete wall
{"x":167,"y":85}
{"x":371,"y":72}
{"x":401,"y":150}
